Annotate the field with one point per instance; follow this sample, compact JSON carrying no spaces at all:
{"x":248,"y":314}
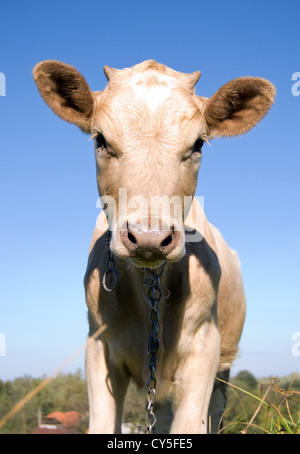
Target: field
{"x":255,"y":405}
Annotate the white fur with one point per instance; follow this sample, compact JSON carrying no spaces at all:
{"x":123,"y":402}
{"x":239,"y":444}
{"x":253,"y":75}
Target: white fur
{"x":152,"y":96}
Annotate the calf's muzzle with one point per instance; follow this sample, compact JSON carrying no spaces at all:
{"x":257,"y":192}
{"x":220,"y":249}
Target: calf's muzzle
{"x":149,"y":245}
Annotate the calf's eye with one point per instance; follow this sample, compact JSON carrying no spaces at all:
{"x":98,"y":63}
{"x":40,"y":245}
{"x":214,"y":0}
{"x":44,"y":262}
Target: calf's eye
{"x":198,"y":145}
{"x":100,"y":141}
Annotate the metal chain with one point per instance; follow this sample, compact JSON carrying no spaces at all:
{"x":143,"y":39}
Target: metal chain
{"x":154,"y":295}
{"x":110,"y":277}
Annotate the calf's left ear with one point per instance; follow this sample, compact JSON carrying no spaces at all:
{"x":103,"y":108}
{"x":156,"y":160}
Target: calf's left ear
{"x":238,"y":106}
{"x":66,"y":91}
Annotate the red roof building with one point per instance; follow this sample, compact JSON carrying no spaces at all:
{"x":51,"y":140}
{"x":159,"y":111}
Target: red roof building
{"x":59,"y":423}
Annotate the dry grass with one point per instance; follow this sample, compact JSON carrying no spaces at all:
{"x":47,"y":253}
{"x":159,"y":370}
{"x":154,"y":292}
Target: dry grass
{"x":277,"y":411}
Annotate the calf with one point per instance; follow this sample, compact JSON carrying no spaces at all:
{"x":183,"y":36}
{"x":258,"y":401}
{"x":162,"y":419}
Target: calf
{"x":152,"y":245}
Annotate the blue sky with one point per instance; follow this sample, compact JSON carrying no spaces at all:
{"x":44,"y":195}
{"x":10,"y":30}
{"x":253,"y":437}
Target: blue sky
{"x":48,"y":191}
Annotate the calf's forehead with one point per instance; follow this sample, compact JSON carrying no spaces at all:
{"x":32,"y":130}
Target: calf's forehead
{"x":148,"y":103}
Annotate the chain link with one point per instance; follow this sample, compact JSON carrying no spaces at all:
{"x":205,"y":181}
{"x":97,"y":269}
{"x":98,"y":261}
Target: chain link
{"x":154,"y":295}
{"x":110,"y":277}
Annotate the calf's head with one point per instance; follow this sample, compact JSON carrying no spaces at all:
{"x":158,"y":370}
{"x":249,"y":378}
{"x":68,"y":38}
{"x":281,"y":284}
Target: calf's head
{"x":149,"y":127}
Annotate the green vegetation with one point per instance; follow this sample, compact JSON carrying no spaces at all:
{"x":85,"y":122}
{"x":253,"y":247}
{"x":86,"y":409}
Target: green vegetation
{"x":269,"y":405}
{"x":65,"y":393}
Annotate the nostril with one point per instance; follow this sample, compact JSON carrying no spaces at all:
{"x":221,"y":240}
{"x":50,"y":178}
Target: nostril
{"x":167,"y":241}
{"x":132,"y":238}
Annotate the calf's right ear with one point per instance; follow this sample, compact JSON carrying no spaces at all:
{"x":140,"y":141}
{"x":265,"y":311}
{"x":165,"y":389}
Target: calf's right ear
{"x":66,"y":92}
